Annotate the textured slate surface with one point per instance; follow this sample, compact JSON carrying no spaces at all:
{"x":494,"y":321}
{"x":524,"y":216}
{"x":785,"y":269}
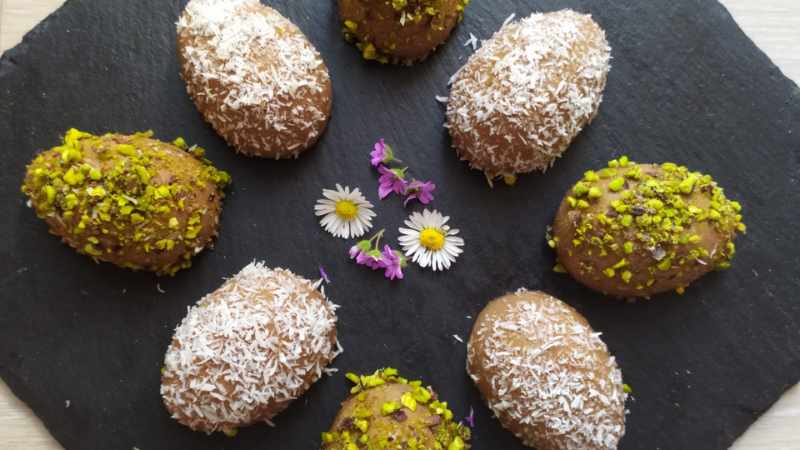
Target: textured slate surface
{"x":686,"y":85}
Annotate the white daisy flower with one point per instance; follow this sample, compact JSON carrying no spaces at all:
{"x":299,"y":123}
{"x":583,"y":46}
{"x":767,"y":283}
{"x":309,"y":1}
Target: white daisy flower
{"x":345,"y":214}
{"x":429,"y":241}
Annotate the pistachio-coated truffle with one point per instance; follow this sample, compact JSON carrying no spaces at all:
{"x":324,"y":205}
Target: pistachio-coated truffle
{"x":399,"y":31}
{"x":130,"y":200}
{"x":634,"y":230}
{"x":387,"y":411}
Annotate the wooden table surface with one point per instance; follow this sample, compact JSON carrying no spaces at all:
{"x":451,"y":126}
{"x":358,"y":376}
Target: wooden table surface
{"x":773,"y":24}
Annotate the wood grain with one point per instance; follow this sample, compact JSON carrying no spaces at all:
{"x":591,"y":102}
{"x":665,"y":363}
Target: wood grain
{"x":774,"y":25}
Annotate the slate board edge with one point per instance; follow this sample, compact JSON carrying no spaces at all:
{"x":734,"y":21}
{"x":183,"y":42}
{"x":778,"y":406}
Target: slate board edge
{"x":17,"y":385}
{"x":8,"y":56}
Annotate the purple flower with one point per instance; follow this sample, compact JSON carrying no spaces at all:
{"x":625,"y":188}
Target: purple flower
{"x":370,"y":259}
{"x":470,"y":419}
{"x":324,"y":275}
{"x":382,"y":154}
{"x":368,"y":253}
{"x":360,"y":247}
{"x":393,"y":263}
{"x":365,"y":255}
{"x":391,"y":180}
{"x":420,"y":190}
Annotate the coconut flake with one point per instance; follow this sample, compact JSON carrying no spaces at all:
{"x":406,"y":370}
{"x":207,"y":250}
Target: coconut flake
{"x":509,"y":19}
{"x":472,"y":42}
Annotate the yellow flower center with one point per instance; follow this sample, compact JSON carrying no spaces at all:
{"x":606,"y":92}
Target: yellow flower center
{"x":346,"y":209}
{"x":432,"y":239}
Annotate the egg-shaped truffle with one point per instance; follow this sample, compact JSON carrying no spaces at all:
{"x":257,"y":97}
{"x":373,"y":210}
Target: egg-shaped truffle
{"x":633,"y":230}
{"x":129,"y":200}
{"x":546,"y":374}
{"x":527,"y":92}
{"x":387,"y":411}
{"x":399,"y":31}
{"x":247,"y":350}
{"x":254,"y":76}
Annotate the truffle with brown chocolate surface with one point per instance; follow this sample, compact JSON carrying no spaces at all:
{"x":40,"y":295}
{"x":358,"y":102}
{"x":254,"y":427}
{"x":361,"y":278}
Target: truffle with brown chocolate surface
{"x":254,"y":76}
{"x":132,"y":200}
{"x":399,"y":31}
{"x":521,"y":99}
{"x":247,"y":350}
{"x":546,"y":374}
{"x":634,"y":230}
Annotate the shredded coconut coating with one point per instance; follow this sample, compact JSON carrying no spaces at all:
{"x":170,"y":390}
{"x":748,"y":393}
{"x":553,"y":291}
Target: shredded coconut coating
{"x":254,"y":76}
{"x":546,"y":374}
{"x":522,"y":98}
{"x":246,"y":350}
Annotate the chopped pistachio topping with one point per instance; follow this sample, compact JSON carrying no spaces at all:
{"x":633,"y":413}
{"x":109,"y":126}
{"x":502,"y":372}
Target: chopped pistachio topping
{"x":113,"y":185}
{"x":580,"y":189}
{"x":653,"y":214}
{"x":617,"y":184}
{"x":626,"y":276}
{"x":416,"y":420}
{"x":437,"y":15}
{"x":628,"y":247}
{"x":180,"y":143}
{"x":390,"y":407}
{"x":408,"y":401}
{"x":350,"y":25}
{"x":510,"y":180}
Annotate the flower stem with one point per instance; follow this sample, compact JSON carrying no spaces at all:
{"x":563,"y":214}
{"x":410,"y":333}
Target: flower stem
{"x":377,"y":238}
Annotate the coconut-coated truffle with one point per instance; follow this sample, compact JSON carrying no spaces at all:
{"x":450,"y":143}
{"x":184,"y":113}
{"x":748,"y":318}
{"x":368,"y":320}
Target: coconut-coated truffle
{"x":254,"y":76}
{"x":247,"y":350}
{"x":527,"y":92}
{"x":546,"y":374}
{"x":130,"y":200}
{"x":633,"y":230}
{"x":399,"y":31}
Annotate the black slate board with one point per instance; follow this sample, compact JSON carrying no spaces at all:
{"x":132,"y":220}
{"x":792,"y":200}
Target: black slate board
{"x":686,"y":86}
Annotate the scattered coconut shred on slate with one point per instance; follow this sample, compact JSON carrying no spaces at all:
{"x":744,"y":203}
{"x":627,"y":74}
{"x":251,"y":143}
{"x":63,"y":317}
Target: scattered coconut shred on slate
{"x":254,"y":76}
{"x":248,"y":349}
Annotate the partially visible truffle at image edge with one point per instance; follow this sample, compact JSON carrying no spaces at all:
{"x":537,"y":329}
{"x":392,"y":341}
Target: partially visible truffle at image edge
{"x":399,"y":31}
{"x":254,"y":76}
